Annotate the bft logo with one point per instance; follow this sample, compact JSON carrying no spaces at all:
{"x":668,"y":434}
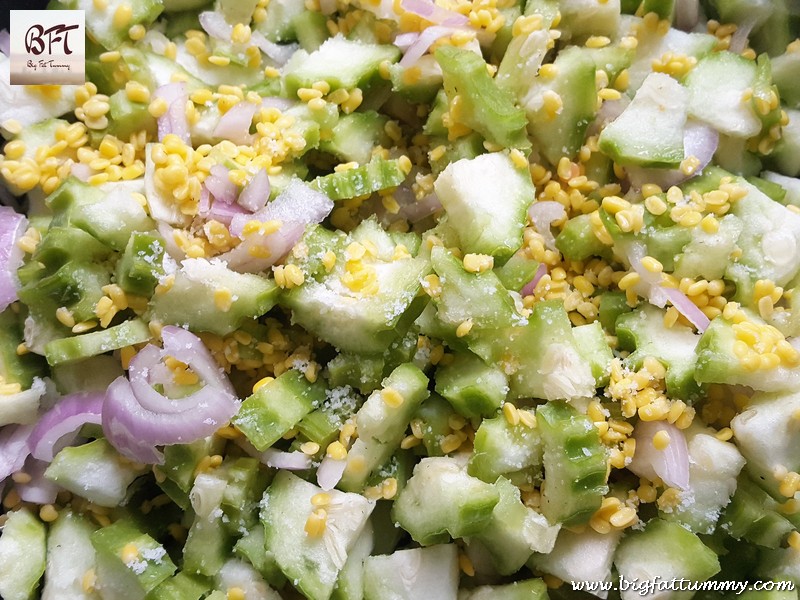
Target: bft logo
{"x":48,"y":47}
{"x":36,"y":37}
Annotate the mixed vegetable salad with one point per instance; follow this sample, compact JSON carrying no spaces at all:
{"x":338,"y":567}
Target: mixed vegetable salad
{"x":382,"y":299}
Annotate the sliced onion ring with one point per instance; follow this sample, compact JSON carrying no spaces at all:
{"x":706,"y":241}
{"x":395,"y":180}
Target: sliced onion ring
{"x":12,"y":226}
{"x":670,"y":464}
{"x":5,"y":42}
{"x":13,"y":448}
{"x":188,"y":348}
{"x":136,"y":418}
{"x":699,"y":140}
{"x":423,"y":43}
{"x":65,"y":418}
{"x":430,"y":11}
{"x":687,"y":308}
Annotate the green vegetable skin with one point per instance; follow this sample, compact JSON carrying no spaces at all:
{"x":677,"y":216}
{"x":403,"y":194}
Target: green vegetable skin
{"x":551,"y":228}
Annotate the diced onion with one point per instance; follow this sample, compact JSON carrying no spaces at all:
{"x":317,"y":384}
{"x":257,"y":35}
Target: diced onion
{"x":277,"y":459}
{"x":405,"y":40}
{"x":297,"y":206}
{"x":224,"y":212}
{"x":609,"y":110}
{"x":739,"y":37}
{"x":412,"y":209}
{"x":81,"y":171}
{"x":543,"y":214}
{"x":531,"y":286}
{"x":174,"y":120}
{"x":207,"y":494}
{"x":235,"y":124}
{"x":291,"y":461}
{"x":38,"y":490}
{"x":171,"y":246}
{"x":383,"y":9}
{"x":204,"y":204}
{"x":687,"y":14}
{"x":220,"y":185}
{"x":651,"y":287}
{"x":256,"y":193}
{"x":215,"y":25}
{"x":277,"y":102}
{"x":330,"y":472}
{"x":327,"y":7}
{"x":276,"y":245}
{"x":279,"y":53}
{"x":635,"y":252}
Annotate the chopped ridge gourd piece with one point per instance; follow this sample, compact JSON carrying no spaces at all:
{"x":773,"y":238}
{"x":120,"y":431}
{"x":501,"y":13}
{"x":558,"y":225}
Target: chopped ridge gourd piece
{"x":649,"y":132}
{"x":672,"y":551}
{"x":574,"y":464}
{"x":311,"y":544}
{"x":442,"y":500}
{"x":206,"y":295}
{"x":278,"y":406}
{"x":130,"y":563}
{"x":363,"y":302}
{"x":341,"y":63}
{"x":378,"y":174}
{"x":381,"y":423}
{"x":477,"y":102}
{"x":468,"y":190}
{"x":83,"y":346}
{"x":22,"y":555}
